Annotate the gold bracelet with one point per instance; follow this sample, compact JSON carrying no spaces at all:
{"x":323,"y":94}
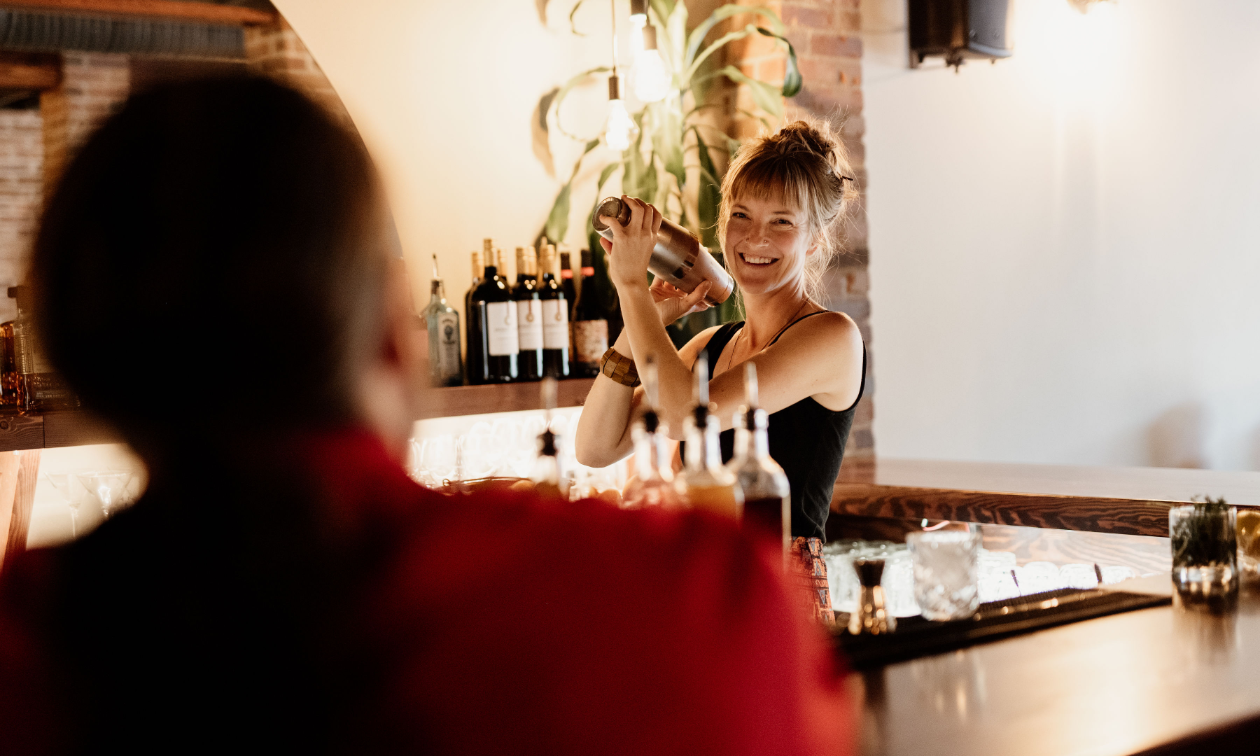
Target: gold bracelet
{"x":619,"y":368}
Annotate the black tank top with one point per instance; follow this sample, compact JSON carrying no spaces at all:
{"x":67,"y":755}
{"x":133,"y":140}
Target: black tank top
{"x":806,"y":439}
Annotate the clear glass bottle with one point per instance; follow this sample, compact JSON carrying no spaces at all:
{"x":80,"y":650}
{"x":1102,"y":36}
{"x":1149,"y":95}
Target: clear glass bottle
{"x":767,"y":494}
{"x":704,"y":483}
{"x":653,"y":481}
{"x":548,"y":473}
{"x":445,"y":366}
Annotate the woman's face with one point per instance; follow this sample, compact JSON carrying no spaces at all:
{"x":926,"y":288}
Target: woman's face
{"x":767,"y":242}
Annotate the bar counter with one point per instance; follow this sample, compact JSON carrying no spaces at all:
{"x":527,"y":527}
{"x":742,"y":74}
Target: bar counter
{"x":1164,"y":680}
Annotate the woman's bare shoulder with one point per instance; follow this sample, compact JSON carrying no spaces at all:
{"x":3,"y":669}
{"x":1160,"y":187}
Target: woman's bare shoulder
{"x":828,"y":325}
{"x":692,"y":348}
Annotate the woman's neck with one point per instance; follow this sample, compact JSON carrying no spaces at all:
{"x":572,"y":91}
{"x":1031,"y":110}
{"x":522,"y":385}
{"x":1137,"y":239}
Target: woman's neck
{"x":768,"y":314}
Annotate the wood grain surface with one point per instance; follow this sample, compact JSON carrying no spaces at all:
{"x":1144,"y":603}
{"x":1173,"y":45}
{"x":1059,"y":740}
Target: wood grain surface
{"x":213,"y":13}
{"x":1163,"y":680}
{"x":508,"y":397}
{"x":23,"y":501}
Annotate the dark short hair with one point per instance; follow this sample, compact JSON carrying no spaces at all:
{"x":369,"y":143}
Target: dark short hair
{"x":210,"y":261}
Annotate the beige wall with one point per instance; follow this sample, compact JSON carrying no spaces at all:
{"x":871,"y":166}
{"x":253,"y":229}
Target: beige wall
{"x":1066,"y":255}
{"x":443,"y":93}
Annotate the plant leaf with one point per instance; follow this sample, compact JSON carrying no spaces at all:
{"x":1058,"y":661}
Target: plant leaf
{"x":792,"y":78}
{"x":767,"y":96}
{"x":667,"y":141}
{"x":723,"y":40}
{"x":541,"y":5}
{"x":540,"y":132}
{"x":709,"y":196}
{"x":572,"y":24}
{"x":696,"y":38}
{"x":558,"y":219}
{"x":564,"y":92}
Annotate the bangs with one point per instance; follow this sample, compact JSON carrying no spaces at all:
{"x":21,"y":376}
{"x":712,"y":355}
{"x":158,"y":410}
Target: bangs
{"x":773,"y":178}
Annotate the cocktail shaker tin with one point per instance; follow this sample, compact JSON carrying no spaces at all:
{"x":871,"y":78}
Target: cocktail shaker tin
{"x":678,"y":257}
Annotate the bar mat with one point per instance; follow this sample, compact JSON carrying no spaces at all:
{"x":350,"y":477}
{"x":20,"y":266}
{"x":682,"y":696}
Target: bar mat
{"x":916,"y":637}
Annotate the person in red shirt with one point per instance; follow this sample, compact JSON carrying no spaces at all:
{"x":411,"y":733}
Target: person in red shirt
{"x":215,"y":276}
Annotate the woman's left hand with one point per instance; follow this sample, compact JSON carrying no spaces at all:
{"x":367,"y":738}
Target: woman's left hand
{"x":632,"y":244}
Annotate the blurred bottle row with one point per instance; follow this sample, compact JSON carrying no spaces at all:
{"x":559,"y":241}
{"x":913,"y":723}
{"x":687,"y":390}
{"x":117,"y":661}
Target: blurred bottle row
{"x":27,"y":382}
{"x":545,"y":322}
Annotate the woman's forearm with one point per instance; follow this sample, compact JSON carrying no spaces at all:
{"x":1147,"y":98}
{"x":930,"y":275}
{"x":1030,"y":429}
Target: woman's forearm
{"x":649,"y":340}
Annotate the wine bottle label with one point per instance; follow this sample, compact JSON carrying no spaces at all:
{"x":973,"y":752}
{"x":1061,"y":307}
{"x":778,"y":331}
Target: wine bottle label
{"x":502,"y":331}
{"x":447,"y":351}
{"x":590,"y":340}
{"x":529,"y":316}
{"x":555,"y":320}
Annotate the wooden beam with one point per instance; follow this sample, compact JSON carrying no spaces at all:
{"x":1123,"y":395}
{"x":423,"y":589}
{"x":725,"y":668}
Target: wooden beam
{"x":22,"y":504}
{"x":29,"y":70}
{"x":211,"y":13}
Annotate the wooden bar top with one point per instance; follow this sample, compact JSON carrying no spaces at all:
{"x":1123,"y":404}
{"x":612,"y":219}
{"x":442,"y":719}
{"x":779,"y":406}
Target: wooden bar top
{"x":1132,"y":501}
{"x":1164,"y":680}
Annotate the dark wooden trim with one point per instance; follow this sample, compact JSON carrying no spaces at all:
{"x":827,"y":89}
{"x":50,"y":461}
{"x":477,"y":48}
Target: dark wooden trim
{"x":76,"y":429}
{"x":1125,"y":516}
{"x":508,"y":397}
{"x":211,"y":13}
{"x":21,"y":432}
{"x":29,"y":70}
{"x":23,"y":503}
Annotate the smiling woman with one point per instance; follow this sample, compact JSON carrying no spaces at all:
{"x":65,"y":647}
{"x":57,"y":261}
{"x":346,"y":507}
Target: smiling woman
{"x":783,"y":198}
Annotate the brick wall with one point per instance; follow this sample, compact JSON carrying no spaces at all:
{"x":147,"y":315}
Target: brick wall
{"x":35,"y":145}
{"x":21,"y":189}
{"x":825,"y":34}
{"x":278,"y":52}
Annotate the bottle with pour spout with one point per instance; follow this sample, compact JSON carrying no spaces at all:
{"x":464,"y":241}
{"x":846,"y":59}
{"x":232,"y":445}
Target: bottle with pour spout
{"x":653,"y":482}
{"x":704,"y":483}
{"x":767,"y":493}
{"x":678,"y":257}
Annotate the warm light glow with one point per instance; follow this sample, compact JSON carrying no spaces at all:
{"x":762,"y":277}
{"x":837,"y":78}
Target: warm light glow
{"x":637,"y":22}
{"x":621,"y":128}
{"x":651,"y":78}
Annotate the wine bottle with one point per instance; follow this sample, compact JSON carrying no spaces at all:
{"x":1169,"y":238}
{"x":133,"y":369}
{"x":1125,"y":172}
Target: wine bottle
{"x":653,"y":481}
{"x":548,"y":473}
{"x":555,"y":316}
{"x":704,"y":483}
{"x":445,"y":368}
{"x":767,"y":493}
{"x":529,"y":317}
{"x":495,"y":316}
{"x":472,"y":339}
{"x":590,"y":325}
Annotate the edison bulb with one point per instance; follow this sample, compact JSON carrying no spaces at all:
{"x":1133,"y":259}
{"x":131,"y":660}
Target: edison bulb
{"x":651,"y":77}
{"x":637,"y":22}
{"x":620,"y":129}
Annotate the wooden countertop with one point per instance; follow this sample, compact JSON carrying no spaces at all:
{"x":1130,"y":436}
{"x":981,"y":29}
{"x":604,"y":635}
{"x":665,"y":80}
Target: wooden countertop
{"x":1132,"y":501}
{"x":1161,"y":680}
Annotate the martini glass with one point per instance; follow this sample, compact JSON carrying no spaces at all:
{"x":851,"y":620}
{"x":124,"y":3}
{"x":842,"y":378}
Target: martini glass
{"x":71,"y":493}
{"x":109,"y":488}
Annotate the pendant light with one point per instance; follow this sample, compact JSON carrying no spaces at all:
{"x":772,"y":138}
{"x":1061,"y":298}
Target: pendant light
{"x":638,"y":20}
{"x":651,"y":78}
{"x":620,"y":129}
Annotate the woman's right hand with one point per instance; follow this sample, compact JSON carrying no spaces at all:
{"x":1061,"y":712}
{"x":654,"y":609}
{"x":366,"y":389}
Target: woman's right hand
{"x":673,"y":303}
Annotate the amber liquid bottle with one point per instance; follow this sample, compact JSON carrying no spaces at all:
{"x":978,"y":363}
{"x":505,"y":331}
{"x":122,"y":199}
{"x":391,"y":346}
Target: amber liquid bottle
{"x":704,"y":483}
{"x":767,"y":494}
{"x":555,"y":316}
{"x":39,"y":387}
{"x":653,"y":481}
{"x":529,"y":317}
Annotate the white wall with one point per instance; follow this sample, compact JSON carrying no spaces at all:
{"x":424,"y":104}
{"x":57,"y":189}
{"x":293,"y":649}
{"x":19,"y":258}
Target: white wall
{"x":1065,"y":246}
{"x":443,"y":94}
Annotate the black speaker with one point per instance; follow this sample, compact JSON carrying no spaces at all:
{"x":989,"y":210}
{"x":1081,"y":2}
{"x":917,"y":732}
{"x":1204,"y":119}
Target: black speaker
{"x":959,"y":29}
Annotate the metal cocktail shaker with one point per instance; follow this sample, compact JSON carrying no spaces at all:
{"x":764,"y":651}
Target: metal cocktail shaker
{"x":678,"y":257}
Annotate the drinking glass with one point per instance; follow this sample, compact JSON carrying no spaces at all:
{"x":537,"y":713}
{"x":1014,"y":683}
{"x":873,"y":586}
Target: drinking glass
{"x":71,"y":493}
{"x":439,"y":459}
{"x":1205,"y":553}
{"x":946,"y":571}
{"x":107,"y":488}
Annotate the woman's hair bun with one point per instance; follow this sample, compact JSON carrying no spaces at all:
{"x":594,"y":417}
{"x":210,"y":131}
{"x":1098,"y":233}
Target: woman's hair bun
{"x":817,"y":140}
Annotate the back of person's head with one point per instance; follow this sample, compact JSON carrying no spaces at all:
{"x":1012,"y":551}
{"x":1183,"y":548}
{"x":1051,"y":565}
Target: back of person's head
{"x":804,"y":165}
{"x":212,"y":263}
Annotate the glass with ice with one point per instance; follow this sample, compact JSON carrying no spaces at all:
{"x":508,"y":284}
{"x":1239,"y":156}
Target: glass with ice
{"x":946,"y":571}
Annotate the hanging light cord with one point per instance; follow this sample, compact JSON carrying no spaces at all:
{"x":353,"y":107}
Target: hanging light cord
{"x":613,"y":5}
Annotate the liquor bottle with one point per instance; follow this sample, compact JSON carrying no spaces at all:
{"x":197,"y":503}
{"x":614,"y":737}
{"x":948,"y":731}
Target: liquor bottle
{"x":39,"y":387}
{"x":704,"y":483}
{"x":472,"y":350}
{"x":566,"y":279}
{"x":493,"y":320}
{"x":529,"y":317}
{"x":445,"y":366}
{"x":653,"y":482}
{"x":9,"y":398}
{"x":767,"y":494}
{"x":548,"y":473}
{"x":590,"y":325}
{"x":555,"y":316}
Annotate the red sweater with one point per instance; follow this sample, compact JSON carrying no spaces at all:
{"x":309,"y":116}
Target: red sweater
{"x":316,"y":598}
